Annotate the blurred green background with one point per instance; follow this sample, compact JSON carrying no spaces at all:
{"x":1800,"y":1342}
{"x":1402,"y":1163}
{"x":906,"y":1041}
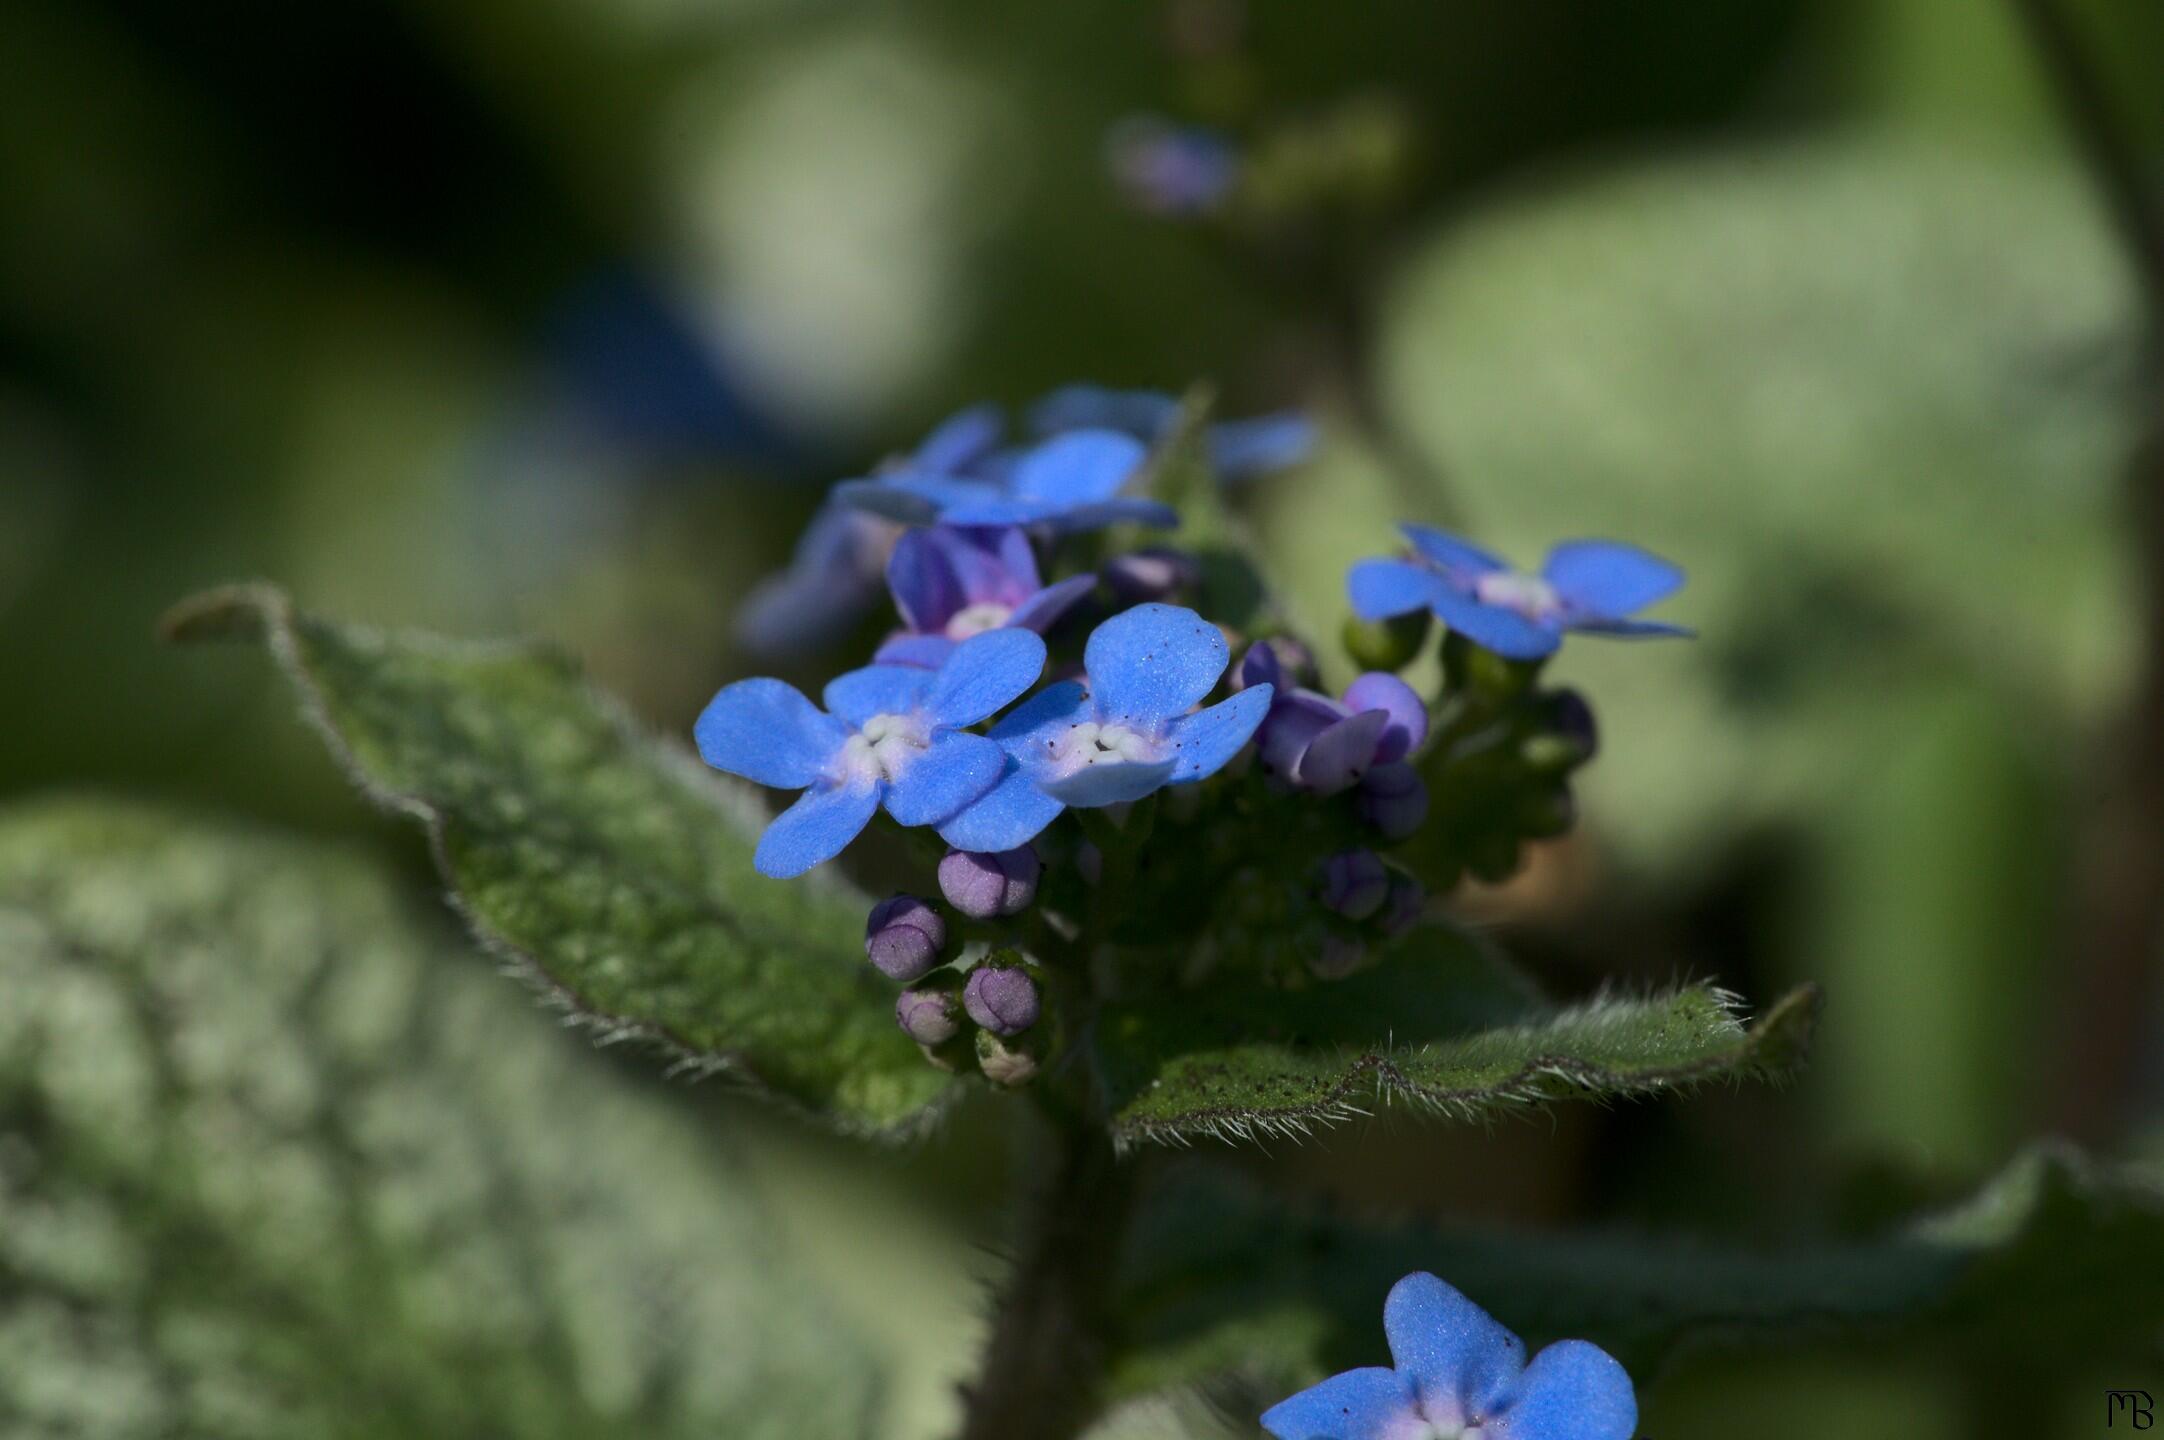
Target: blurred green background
{"x":557,"y":316}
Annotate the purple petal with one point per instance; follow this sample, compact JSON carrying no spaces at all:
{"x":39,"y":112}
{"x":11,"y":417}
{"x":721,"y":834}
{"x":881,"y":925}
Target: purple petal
{"x":1380,"y":690}
{"x":924,"y":579}
{"x":1336,"y":759}
{"x":876,"y":690}
{"x":1461,"y":1358}
{"x":1369,"y":1404}
{"x":1205,"y":741}
{"x":1608,"y":578}
{"x":1016,"y":562}
{"x":766,"y":731}
{"x":1079,"y":467}
{"x":1462,"y":559}
{"x":1153,"y":662}
{"x":815,"y":829}
{"x":1573,"y":1390}
{"x":1383,"y":588}
{"x":956,"y":769}
{"x":1492,"y":627}
{"x":1041,"y":611}
{"x":1008,"y":815}
{"x":984,"y":675}
{"x":1296,"y":718}
{"x":1109,"y":782}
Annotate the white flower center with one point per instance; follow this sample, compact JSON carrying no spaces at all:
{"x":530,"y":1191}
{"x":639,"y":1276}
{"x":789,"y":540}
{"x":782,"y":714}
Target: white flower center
{"x":884,"y":747}
{"x":978,"y":618}
{"x":1529,"y":595}
{"x":1089,"y":743}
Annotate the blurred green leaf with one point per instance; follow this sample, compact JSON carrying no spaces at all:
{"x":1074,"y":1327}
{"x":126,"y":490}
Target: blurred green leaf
{"x":277,"y":1158}
{"x":1875,"y":397}
{"x":607,"y":866}
{"x":2051,"y":1265}
{"x":1432,"y":1027}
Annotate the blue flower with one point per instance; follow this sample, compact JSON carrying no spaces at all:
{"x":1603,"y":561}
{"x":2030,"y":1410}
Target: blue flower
{"x":1118,"y":735}
{"x":1171,"y":170}
{"x":1069,"y":482}
{"x":1238,"y":449}
{"x":1588,"y":585}
{"x":950,"y":584}
{"x":1460,"y":1372}
{"x":894,"y":736}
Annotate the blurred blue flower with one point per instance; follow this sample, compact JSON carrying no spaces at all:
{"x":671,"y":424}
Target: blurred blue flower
{"x":1459,"y":1372}
{"x":1238,"y":449}
{"x":1176,"y":171}
{"x":894,"y":736}
{"x":1587,"y":585}
{"x":1069,"y":482}
{"x":832,"y":578}
{"x":1126,"y":731}
{"x":950,"y":584}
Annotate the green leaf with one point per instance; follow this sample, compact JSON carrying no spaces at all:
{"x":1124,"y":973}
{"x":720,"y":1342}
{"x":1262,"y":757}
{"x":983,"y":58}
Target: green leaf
{"x":607,"y":866}
{"x":2050,"y":1266}
{"x":1238,"y":1062}
{"x":277,"y":1158}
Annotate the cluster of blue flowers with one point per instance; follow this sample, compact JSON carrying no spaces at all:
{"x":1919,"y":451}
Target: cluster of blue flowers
{"x":1010,"y":696}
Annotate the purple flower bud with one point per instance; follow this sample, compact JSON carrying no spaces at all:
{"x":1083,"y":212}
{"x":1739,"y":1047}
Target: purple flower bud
{"x":1408,"y":900}
{"x":1156,"y":573}
{"x":1394,"y":799}
{"x":929,"y":1017}
{"x":1004,"y":1000}
{"x":982,"y":885}
{"x":1355,"y":883}
{"x":1279,"y":660}
{"x":1408,"y":723}
{"x":903,"y":937}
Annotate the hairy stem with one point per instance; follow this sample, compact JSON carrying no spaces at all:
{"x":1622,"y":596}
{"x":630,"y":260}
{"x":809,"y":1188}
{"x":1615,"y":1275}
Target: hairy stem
{"x":1043,"y":1368}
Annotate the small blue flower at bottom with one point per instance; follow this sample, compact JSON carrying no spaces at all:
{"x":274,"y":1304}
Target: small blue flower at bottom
{"x":1132,"y":728}
{"x":1586,"y":585}
{"x":895,"y":737}
{"x":1461,"y":1374}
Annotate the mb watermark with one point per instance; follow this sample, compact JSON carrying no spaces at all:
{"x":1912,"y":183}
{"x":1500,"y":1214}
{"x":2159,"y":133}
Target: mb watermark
{"x":2133,"y":1406}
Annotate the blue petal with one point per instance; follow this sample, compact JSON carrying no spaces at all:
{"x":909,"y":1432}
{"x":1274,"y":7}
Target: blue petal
{"x":1462,"y":1359}
{"x":984,"y":675}
{"x":1573,"y":1390}
{"x":1204,"y":741}
{"x":1079,"y":467}
{"x":1369,"y":1404}
{"x":1026,"y":731}
{"x":1109,"y":782}
{"x":877,"y":690}
{"x":1122,"y":510}
{"x":815,"y":829}
{"x":1009,"y":565}
{"x":765,"y":730}
{"x":1241,"y":449}
{"x":824,"y":587}
{"x":990,"y":510}
{"x":961,"y":440}
{"x":912,"y":498}
{"x":1461,"y":558}
{"x":1009,"y":815}
{"x":1383,"y":588}
{"x":1492,"y":627}
{"x":924,"y":580}
{"x":925,"y":652}
{"x":954,"y":770}
{"x":1153,"y":662}
{"x":1041,"y":611}
{"x":1608,"y":578}
{"x":1143,"y":414}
